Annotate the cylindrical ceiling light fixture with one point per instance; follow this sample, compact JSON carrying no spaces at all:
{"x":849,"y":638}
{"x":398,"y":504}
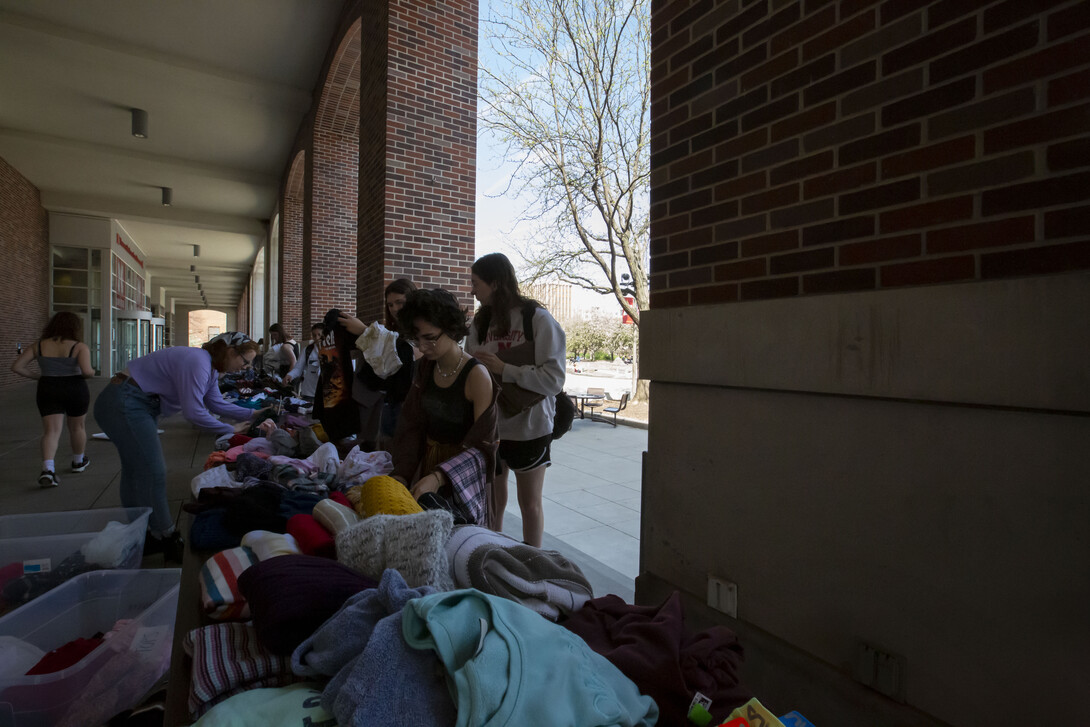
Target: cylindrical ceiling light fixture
{"x":139,"y":123}
{"x":168,"y":196}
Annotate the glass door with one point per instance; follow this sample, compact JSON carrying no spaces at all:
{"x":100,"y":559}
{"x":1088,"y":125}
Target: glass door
{"x":127,"y":343}
{"x":158,"y":334}
{"x":145,"y":336}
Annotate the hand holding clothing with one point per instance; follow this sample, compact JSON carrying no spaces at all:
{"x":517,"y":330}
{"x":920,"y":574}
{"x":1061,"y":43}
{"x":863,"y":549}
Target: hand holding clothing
{"x":351,"y":324}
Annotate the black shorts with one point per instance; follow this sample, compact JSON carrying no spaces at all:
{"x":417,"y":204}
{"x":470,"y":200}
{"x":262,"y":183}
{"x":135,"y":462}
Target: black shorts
{"x":63,"y":395}
{"x":525,"y":456}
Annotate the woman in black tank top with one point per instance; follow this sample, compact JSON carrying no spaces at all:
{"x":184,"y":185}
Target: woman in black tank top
{"x":446,"y":437}
{"x":64,"y":364}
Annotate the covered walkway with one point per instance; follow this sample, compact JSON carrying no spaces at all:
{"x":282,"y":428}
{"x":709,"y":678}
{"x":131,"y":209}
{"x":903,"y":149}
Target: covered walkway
{"x":592,"y":492}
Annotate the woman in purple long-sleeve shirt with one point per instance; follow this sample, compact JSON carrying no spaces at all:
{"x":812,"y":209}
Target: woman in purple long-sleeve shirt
{"x":166,"y":382}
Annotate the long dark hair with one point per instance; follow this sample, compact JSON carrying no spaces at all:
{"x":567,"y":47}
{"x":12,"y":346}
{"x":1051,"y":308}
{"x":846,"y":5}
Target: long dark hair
{"x":403,"y":286}
{"x":496,"y":270}
{"x":64,"y":325}
{"x":279,"y":330}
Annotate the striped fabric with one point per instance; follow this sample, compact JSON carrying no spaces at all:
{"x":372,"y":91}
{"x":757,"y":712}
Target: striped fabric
{"x":220,"y":596}
{"x":228,"y":660}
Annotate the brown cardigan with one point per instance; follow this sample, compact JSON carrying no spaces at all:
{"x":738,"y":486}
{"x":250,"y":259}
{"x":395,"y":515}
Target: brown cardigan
{"x":410,"y":442}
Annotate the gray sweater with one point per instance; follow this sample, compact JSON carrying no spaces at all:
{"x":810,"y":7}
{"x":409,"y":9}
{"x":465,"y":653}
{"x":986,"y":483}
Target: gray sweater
{"x":546,"y":377}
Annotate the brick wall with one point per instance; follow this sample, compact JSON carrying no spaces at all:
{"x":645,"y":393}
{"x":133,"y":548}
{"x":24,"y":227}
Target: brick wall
{"x":431,"y":143}
{"x":816,"y":147}
{"x":333,"y":183}
{"x":333,"y":235}
{"x":371,"y":260}
{"x":24,"y":283}
{"x":291,"y":249}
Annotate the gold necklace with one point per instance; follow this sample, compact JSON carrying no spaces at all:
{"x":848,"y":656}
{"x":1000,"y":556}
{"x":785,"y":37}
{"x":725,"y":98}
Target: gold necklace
{"x":453,"y":371}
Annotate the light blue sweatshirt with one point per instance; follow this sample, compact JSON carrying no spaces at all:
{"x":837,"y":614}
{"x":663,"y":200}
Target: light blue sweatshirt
{"x":509,"y":666}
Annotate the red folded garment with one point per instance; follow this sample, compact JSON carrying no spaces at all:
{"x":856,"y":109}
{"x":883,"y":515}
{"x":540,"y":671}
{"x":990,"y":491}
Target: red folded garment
{"x":338,"y":496}
{"x":61,"y":658}
{"x":238,"y":440}
{"x":313,"y":539}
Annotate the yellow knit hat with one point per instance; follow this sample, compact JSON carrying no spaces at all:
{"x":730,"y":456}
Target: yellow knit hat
{"x":383,"y":495}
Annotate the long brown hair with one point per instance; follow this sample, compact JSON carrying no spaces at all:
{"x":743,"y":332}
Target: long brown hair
{"x":496,"y":269}
{"x":402,"y":286}
{"x":279,"y":330}
{"x":65,"y":326}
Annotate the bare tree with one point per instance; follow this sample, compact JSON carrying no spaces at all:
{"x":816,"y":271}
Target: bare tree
{"x":566,"y":88}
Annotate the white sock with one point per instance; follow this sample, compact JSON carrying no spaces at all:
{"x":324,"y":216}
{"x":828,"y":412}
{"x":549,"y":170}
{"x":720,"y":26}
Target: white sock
{"x":77,"y":459}
{"x":47,"y":465}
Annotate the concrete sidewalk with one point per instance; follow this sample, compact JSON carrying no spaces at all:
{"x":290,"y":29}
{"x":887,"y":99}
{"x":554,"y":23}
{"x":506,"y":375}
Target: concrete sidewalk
{"x":592,"y":490}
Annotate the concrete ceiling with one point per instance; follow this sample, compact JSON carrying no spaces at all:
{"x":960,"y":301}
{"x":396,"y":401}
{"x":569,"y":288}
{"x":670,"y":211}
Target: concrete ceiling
{"x":225,"y":83}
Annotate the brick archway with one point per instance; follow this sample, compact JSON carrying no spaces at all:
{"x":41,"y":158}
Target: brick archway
{"x":329,"y":251}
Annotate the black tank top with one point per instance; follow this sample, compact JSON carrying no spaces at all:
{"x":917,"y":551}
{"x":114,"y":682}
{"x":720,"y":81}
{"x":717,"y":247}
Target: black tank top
{"x":448,"y":411}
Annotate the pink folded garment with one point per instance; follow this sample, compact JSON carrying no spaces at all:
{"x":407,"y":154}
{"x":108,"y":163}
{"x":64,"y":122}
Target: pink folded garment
{"x":232,"y":454}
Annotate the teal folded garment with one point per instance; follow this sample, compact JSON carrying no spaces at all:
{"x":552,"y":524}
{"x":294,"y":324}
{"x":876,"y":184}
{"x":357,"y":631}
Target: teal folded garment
{"x":509,"y":666}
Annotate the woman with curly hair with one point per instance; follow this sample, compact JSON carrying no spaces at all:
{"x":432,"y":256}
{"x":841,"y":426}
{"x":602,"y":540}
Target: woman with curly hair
{"x":64,"y":365}
{"x":445,"y":444}
{"x":167,"y":381}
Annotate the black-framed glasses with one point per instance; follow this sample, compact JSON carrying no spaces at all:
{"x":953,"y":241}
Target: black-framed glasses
{"x":425,"y":341}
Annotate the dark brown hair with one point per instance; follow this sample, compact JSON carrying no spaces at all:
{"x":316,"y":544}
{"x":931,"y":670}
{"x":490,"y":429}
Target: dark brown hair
{"x":279,"y":330}
{"x":64,"y":325}
{"x":436,"y":306}
{"x":218,"y":350}
{"x":404,"y":286}
{"x":496,"y":269}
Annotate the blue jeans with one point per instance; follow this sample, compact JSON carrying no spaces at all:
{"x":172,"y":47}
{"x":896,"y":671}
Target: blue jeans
{"x":130,"y":418}
{"x":390,"y":414}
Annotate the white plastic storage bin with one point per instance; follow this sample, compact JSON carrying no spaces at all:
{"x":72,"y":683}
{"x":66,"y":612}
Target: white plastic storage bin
{"x":112,"y":678}
{"x":42,"y":540}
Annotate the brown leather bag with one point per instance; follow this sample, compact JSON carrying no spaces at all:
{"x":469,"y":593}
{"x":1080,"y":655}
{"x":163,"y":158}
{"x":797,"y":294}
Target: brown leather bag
{"x":514,"y":399}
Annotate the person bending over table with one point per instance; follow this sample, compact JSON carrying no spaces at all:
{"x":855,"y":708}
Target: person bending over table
{"x":167,"y":381}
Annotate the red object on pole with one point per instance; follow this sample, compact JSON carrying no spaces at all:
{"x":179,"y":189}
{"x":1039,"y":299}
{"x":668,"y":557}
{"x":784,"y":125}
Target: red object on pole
{"x":625,"y":318}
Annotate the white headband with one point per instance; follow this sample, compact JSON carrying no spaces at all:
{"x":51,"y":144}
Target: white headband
{"x":231,"y":338}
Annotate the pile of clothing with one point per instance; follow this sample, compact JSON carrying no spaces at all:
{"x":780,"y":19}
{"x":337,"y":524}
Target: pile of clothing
{"x":109,"y":548}
{"x":257,"y":390}
{"x":345,"y":602}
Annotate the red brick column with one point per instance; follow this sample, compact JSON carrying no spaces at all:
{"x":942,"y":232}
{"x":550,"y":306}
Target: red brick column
{"x":420,"y":67}
{"x":805,"y":148}
{"x":24,"y":281}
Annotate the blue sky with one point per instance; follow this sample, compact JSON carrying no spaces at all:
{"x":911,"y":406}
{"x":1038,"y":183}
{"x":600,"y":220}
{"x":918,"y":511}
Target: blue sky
{"x":496,"y":229}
